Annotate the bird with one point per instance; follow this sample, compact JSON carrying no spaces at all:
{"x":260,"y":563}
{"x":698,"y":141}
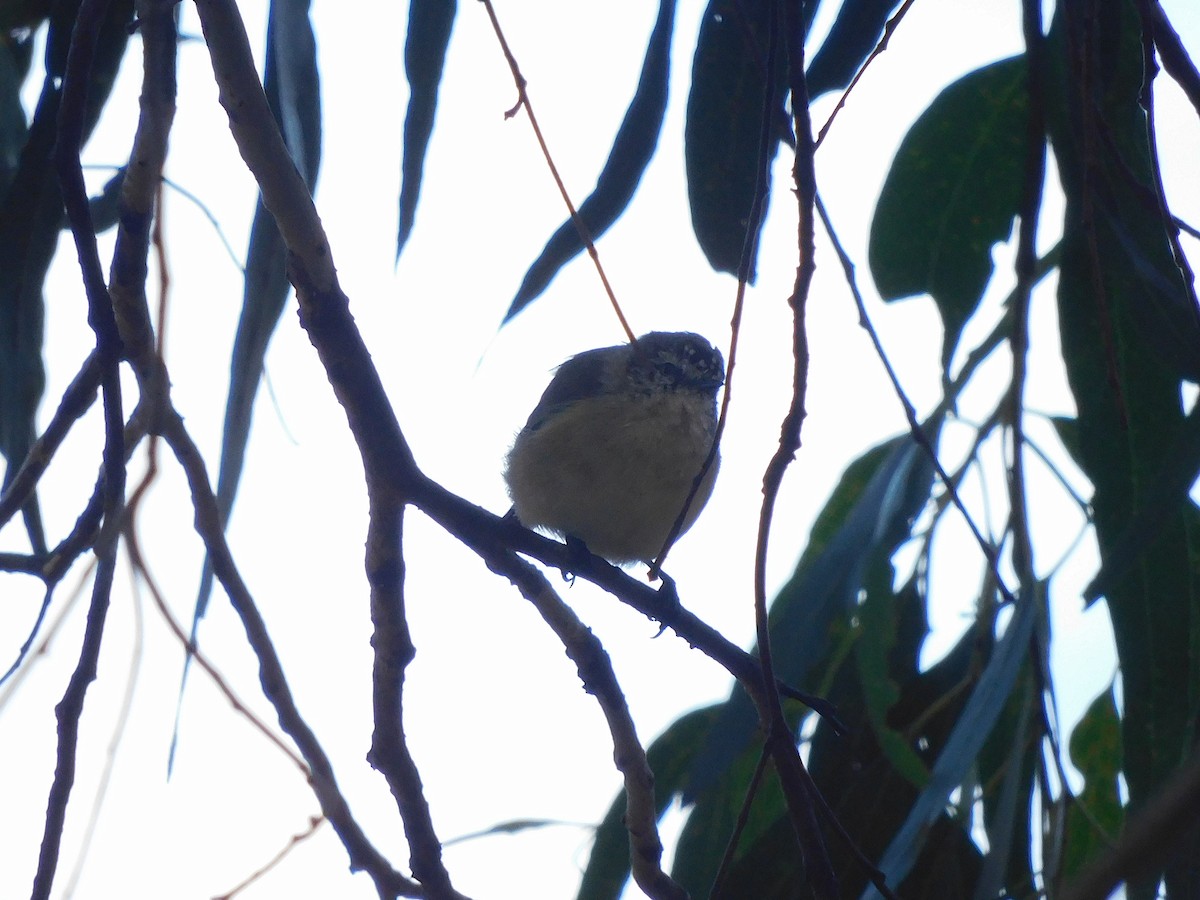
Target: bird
{"x":610,"y":453}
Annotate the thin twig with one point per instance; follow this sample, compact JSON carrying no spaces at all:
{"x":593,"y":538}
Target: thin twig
{"x":743,"y":818}
{"x":798,"y":787}
{"x":363,"y":855}
{"x":76,"y":400}
{"x":580,"y":225}
{"x":888,"y":30}
{"x":295,"y":841}
{"x":918,"y":431}
{"x":108,"y":349}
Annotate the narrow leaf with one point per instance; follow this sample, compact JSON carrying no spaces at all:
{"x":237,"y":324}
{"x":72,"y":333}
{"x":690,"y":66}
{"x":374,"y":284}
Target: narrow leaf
{"x":429,"y":25}
{"x":724,"y":120}
{"x":627,"y":160}
{"x":852,"y":37}
{"x":867,"y":517}
{"x":1095,"y":816}
{"x":293,"y":91}
{"x":1130,"y":422}
{"x":30,"y":216}
{"x":972,"y":728}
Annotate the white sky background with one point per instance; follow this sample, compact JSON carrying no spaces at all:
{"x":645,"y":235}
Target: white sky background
{"x":497,"y":721}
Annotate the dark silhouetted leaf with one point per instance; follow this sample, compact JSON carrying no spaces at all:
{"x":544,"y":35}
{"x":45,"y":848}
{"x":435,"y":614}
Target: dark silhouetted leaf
{"x":876,"y":638}
{"x":293,"y":91}
{"x":1129,"y":417}
{"x":29,"y":227}
{"x":854,"y":774}
{"x":1007,"y":773}
{"x":724,"y":122}
{"x":429,"y":25}
{"x":854,"y":34}
{"x":627,"y":160}
{"x":105,"y":207}
{"x":952,"y":193}
{"x":971,"y":728}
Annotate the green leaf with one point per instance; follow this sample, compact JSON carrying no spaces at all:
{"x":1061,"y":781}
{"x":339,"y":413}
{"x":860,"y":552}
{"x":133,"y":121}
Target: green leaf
{"x":964,"y":743}
{"x":872,"y":798}
{"x":670,"y":757}
{"x":1095,"y":816}
{"x":627,"y":160}
{"x":878,"y":623}
{"x":867,"y":517}
{"x":30,"y":216}
{"x":1008,"y":766}
{"x":723,"y":127}
{"x":1116,"y":327}
{"x":952,"y":193}
{"x":429,"y":25}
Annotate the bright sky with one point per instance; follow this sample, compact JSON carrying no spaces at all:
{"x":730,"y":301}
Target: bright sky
{"x":498,"y":722}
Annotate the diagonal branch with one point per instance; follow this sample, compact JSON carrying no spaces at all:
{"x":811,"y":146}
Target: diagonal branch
{"x":108,"y":348}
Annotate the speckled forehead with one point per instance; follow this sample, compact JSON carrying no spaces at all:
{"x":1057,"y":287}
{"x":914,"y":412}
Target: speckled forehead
{"x":689,"y":354}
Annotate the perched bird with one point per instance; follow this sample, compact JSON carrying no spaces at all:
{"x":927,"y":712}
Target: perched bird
{"x":611,"y":451}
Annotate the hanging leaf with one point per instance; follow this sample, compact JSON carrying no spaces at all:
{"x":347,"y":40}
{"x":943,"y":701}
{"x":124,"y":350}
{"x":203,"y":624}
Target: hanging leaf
{"x":293,"y":92}
{"x":952,"y":193}
{"x":627,"y":160}
{"x":962,"y":747}
{"x":853,"y":35}
{"x":30,"y":217}
{"x":723,"y":127}
{"x":1115,"y":322}
{"x":429,"y":25}
{"x":867,"y":517}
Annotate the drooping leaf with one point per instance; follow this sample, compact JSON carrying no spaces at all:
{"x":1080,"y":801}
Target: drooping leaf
{"x":627,"y":160}
{"x":429,"y":25}
{"x":852,"y":37}
{"x":1095,"y":816}
{"x":710,"y":824}
{"x":855,"y":776}
{"x":868,"y":515}
{"x":18,"y":14}
{"x":952,"y":193}
{"x":962,"y":747}
{"x":1114,"y":324}
{"x":293,"y":92}
{"x":13,"y":127}
{"x":878,"y":624}
{"x":724,"y":121}
{"x":1160,"y":502}
{"x":30,"y":216}
{"x":1007,"y":769}
{"x":105,"y":207}
{"x":670,"y":757}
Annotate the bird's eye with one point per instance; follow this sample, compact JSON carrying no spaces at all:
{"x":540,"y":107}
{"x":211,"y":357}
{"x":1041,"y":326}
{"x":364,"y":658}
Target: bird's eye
{"x":671,"y":372}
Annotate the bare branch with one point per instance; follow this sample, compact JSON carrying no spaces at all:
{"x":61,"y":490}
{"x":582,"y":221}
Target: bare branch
{"x":394,"y":650}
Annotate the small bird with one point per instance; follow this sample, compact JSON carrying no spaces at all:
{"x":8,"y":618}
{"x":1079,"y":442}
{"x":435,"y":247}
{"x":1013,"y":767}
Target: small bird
{"x":611,"y":451}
